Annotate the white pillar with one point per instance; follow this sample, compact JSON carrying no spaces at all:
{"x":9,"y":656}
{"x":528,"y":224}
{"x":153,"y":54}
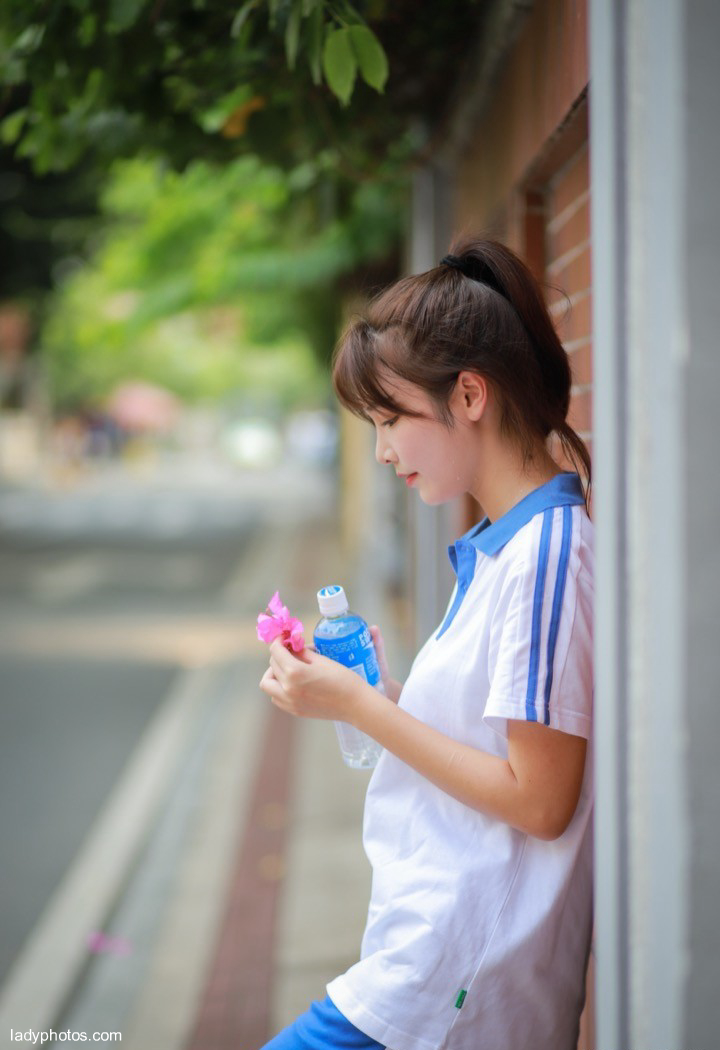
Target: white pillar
{"x":655,"y":97}
{"x":610,"y":505}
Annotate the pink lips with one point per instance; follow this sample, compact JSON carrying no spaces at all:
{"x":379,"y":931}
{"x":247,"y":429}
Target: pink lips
{"x":410,"y":478}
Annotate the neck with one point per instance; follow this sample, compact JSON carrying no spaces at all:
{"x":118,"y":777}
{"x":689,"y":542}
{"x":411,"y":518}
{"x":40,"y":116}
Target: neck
{"x":506,"y":480}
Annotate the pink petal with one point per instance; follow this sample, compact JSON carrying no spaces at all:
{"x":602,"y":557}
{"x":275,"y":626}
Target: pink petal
{"x":268,"y":628}
{"x":275,"y":606}
{"x":297,"y":640}
{"x":280,"y":622}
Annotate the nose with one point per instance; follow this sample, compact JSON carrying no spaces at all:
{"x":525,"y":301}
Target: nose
{"x":383,"y":454}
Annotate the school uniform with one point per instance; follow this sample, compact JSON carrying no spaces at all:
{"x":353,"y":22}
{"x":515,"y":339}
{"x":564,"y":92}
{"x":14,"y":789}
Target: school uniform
{"x":478,"y":935}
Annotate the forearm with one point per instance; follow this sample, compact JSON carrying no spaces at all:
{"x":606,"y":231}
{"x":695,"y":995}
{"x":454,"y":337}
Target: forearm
{"x":535,"y":789}
{"x":476,"y":778}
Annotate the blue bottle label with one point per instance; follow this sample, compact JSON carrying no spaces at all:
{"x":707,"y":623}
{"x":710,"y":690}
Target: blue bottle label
{"x":355,"y":651}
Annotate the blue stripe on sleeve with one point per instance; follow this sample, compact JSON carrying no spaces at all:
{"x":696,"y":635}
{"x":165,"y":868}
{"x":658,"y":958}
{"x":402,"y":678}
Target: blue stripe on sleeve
{"x":530,"y":711}
{"x":557,"y":605}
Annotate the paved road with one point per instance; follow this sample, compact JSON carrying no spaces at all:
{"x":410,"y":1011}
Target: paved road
{"x":67,"y":729}
{"x":107,"y":589}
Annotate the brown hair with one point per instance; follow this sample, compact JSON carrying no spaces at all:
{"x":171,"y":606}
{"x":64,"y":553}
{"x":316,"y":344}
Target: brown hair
{"x":481,"y":311}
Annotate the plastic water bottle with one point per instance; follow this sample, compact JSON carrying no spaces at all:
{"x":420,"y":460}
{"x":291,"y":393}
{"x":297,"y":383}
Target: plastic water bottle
{"x":344,"y":636}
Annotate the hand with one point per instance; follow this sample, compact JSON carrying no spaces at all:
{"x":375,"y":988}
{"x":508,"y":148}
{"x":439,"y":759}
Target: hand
{"x":379,"y":644}
{"x":310,"y":685}
{"x":393,"y":688}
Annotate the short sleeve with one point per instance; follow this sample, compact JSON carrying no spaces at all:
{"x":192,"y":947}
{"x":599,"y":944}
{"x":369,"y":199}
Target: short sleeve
{"x":541,"y":634}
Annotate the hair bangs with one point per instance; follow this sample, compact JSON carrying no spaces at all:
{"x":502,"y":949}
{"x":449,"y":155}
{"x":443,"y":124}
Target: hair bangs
{"x":357,"y":366}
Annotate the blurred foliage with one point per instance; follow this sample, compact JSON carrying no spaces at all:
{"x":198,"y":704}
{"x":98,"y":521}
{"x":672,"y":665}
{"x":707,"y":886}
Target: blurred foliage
{"x":335,"y":101}
{"x":92,"y":80}
{"x":213,"y":279}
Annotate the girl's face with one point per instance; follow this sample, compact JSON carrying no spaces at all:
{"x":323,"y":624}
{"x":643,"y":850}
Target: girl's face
{"x":435,"y":460}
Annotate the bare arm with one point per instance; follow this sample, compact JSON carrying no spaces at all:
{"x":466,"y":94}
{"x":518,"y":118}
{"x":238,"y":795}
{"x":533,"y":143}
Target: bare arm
{"x":536,"y":789}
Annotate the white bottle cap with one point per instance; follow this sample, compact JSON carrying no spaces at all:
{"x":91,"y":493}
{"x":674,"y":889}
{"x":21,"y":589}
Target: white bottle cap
{"x":332,"y":600}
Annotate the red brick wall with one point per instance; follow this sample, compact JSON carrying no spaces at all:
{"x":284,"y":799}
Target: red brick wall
{"x":568,"y":265}
{"x":541,"y":81}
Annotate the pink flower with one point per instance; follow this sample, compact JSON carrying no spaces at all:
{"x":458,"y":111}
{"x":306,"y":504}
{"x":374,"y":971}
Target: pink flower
{"x":280,"y":623}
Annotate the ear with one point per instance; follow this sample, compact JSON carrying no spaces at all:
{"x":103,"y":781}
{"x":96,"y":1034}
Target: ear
{"x":472,"y":393}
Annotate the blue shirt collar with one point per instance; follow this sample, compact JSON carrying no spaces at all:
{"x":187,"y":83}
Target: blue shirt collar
{"x":562,"y":490}
{"x":489,"y":537}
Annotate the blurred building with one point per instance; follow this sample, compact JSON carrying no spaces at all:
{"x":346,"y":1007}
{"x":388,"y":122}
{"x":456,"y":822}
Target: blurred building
{"x":586,"y":136}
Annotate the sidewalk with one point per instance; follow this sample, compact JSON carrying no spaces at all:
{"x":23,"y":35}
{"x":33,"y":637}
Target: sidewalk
{"x":242,"y":885}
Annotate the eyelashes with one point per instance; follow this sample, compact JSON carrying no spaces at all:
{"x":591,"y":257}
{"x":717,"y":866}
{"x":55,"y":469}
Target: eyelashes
{"x":391,"y":422}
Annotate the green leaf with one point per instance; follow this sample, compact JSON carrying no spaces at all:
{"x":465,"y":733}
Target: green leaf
{"x":370,"y":55}
{"x":309,"y":7}
{"x":30,"y":39}
{"x":11,"y":126}
{"x":87,"y":30}
{"x":212,"y":119}
{"x":314,"y":51}
{"x":124,"y":13}
{"x":292,"y":34}
{"x":13,"y":70}
{"x":273,"y":8}
{"x":242,"y":16}
{"x":340,"y":64}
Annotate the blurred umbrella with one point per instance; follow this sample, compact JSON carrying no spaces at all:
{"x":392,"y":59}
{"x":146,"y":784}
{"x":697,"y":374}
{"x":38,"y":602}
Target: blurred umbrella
{"x":143,"y":407}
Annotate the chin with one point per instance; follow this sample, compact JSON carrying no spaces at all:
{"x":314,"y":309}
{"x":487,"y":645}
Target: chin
{"x":436,"y":499}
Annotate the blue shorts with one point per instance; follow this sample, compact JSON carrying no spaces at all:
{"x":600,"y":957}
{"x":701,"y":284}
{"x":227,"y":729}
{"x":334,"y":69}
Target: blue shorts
{"x":322,"y":1027}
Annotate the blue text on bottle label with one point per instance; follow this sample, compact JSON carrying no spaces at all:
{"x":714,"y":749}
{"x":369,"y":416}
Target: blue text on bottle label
{"x":355,"y":651}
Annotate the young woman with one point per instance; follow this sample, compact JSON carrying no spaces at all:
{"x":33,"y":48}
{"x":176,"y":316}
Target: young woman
{"x":478,"y":819}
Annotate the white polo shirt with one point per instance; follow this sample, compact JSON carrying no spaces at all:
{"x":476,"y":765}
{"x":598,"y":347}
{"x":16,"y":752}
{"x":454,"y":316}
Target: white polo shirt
{"x":478,"y":935}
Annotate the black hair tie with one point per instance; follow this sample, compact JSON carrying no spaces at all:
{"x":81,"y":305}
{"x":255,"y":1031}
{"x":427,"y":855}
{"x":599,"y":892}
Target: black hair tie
{"x":455,"y":263}
{"x":476,"y":270}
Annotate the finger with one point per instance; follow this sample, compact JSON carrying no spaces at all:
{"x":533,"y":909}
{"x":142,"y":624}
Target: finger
{"x":274,"y":690}
{"x":379,"y":644}
{"x":268,"y":679}
{"x":281,"y":705}
{"x":278,"y":650}
{"x":293,"y":654}
{"x":283,"y":660}
{"x":278,"y":670}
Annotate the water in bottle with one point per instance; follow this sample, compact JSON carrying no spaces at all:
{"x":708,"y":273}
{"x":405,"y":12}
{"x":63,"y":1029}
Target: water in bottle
{"x":344,"y":636}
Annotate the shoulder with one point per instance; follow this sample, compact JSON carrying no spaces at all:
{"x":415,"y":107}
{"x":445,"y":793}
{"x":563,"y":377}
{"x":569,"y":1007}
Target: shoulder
{"x":542,"y":629}
{"x":556,"y":540}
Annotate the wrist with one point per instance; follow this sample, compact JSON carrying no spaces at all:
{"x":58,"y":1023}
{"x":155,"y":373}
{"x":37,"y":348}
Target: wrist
{"x":359,"y":699}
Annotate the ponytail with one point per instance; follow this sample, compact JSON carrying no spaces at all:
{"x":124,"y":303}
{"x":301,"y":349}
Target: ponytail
{"x":509,"y":276}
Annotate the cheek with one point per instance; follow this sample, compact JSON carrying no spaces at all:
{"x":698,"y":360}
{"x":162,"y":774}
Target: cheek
{"x":445,"y":478}
{"x":449,"y":456}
